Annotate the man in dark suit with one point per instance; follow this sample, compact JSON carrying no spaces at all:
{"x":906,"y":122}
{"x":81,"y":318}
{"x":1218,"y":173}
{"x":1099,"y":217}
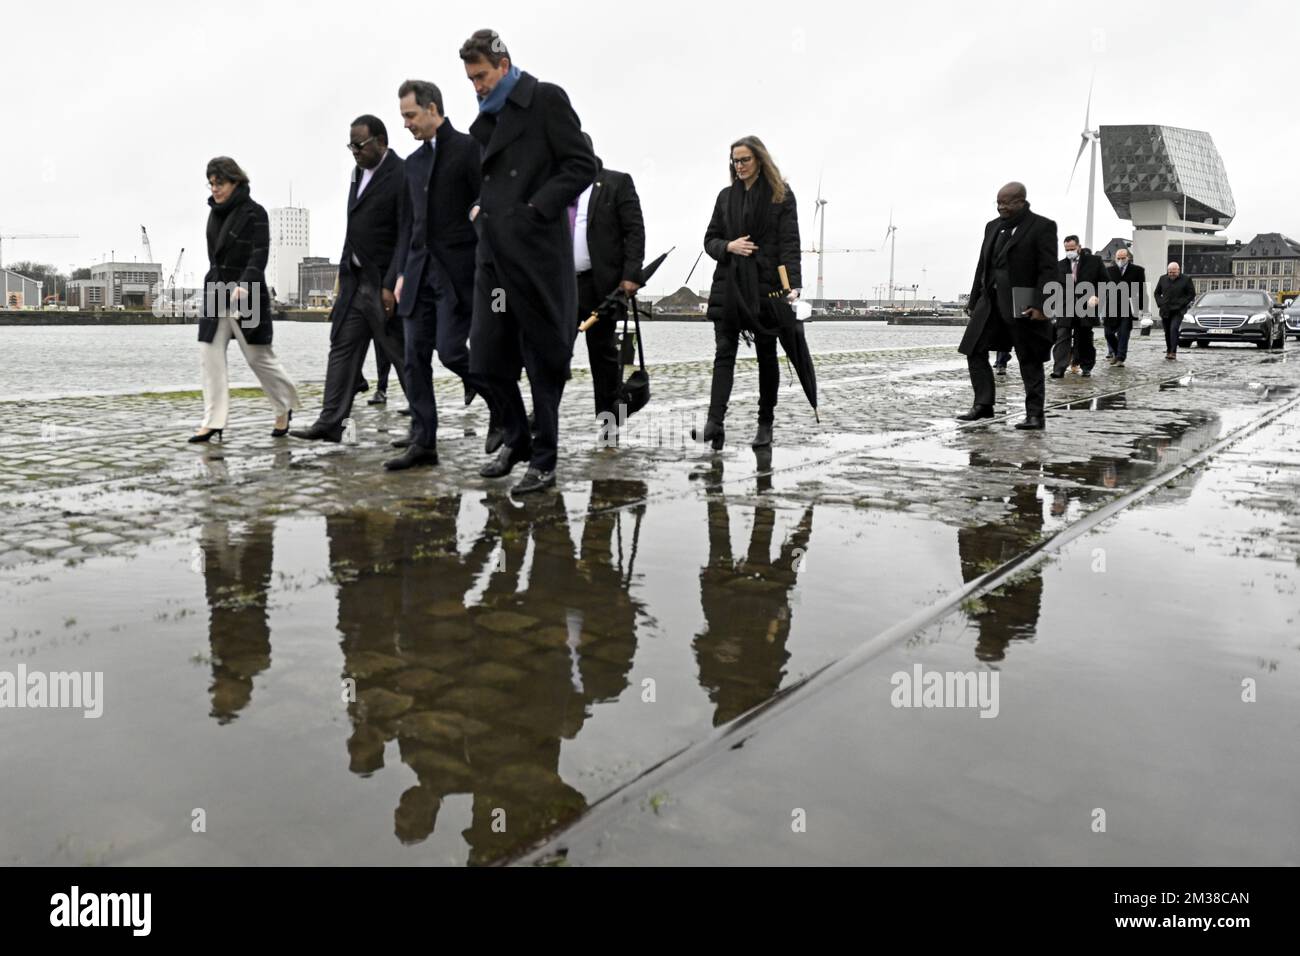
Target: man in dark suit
{"x":608,"y":252}
{"x":535,"y":164}
{"x":365,"y":299}
{"x":1126,"y":297}
{"x":433,"y":268}
{"x":1082,"y":275}
{"x":1174,"y":294}
{"x":1013,"y":282}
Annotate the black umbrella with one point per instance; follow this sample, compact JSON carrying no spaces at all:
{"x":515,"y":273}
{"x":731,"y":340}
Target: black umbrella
{"x":795,"y":344}
{"x":609,"y":305}
{"x":789,"y":332}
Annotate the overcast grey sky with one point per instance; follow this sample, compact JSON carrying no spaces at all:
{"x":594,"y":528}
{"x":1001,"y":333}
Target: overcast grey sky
{"x":112,"y":111}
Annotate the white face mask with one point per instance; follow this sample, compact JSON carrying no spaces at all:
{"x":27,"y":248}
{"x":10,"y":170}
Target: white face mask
{"x":1072,"y":255}
{"x":1121,"y":263}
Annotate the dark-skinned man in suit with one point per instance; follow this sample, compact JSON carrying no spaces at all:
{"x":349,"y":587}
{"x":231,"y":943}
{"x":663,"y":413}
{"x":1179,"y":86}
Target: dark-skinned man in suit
{"x":365,"y":302}
{"x":433,"y":268}
{"x":535,"y":165}
{"x":1014,"y":279}
{"x":608,"y":252}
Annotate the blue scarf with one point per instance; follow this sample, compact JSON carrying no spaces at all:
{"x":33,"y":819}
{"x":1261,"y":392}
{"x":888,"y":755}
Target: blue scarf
{"x":493,"y":102}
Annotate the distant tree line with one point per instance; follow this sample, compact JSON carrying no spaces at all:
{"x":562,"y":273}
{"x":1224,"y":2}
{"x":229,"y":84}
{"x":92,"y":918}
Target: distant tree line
{"x":56,"y":282}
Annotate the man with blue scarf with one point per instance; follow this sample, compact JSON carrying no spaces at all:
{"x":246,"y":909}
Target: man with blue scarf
{"x":535,"y":164}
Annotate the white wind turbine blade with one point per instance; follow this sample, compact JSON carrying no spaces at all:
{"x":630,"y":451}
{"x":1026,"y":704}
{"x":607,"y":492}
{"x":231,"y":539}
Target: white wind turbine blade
{"x":1083,"y":144}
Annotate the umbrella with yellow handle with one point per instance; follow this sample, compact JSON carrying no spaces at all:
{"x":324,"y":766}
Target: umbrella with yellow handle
{"x":618,"y":297}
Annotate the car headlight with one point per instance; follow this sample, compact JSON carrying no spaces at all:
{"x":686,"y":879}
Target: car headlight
{"x":1192,"y":319}
{"x":1257,"y":318}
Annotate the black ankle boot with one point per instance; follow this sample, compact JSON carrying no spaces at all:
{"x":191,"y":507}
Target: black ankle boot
{"x":713,"y":432}
{"x":763,"y":438}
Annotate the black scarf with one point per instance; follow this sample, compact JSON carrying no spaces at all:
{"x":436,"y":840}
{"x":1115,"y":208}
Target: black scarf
{"x":1004,"y":234}
{"x":220,"y":213}
{"x":747,"y":212}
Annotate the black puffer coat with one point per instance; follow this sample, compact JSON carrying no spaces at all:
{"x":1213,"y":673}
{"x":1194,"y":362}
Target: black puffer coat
{"x":741,"y":284}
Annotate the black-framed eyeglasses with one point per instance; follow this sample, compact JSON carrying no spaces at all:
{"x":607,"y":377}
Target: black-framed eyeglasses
{"x":742,"y":160}
{"x":358,"y":147}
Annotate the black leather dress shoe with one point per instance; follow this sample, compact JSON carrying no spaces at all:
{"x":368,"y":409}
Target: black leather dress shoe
{"x":1086,"y":373}
{"x":415,"y":455}
{"x":495,"y":439}
{"x":976,"y":412}
{"x":534,"y":480}
{"x":318,"y":433}
{"x":504,"y":462}
{"x":1032,"y":423}
{"x":470,"y":392}
{"x":1057,"y":375}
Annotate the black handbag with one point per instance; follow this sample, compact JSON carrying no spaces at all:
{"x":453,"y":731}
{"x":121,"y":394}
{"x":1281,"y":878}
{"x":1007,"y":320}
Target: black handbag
{"x":634,"y":392}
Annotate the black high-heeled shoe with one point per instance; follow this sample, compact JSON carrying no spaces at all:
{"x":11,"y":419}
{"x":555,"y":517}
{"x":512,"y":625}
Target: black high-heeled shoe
{"x":281,"y":432}
{"x":713,"y":431}
{"x":206,"y":436}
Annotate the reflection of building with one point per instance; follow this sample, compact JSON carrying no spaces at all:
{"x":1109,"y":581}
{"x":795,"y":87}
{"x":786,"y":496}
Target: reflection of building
{"x":316,"y":278}
{"x":290,"y":242}
{"x":1171,"y":184}
{"x":20,"y":292}
{"x":130,"y":285}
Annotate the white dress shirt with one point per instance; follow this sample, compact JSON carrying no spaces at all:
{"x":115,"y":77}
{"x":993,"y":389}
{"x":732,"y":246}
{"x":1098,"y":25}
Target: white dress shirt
{"x":366,"y":176}
{"x":581,"y":254}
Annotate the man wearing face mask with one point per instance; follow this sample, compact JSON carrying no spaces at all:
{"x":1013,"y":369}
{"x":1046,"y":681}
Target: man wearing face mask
{"x":1128,"y":292}
{"x":1013,"y":281}
{"x":1082,"y":275}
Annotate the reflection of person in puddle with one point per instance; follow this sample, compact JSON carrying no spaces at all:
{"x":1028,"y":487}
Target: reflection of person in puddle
{"x":1009,"y":612}
{"x":479,"y":700}
{"x":236,"y":576}
{"x":742,"y":649}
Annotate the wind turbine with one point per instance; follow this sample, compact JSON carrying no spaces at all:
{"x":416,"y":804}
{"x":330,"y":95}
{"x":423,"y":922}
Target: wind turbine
{"x":821,"y":237}
{"x":819,"y":249}
{"x":1088,"y":136}
{"x":889,"y":238}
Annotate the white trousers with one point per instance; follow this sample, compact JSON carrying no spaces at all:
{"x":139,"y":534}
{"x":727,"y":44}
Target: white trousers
{"x":261,"y":359}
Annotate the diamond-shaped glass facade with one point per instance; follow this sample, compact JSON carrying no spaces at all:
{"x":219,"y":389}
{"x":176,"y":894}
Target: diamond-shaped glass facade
{"x":1142,"y":163}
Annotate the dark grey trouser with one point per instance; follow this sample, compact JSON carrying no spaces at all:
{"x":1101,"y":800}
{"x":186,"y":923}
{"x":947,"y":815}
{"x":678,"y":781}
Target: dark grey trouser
{"x":365,"y":321}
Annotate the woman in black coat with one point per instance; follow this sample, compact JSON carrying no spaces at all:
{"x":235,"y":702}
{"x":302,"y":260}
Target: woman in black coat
{"x":754,"y":230}
{"x":237,"y":302}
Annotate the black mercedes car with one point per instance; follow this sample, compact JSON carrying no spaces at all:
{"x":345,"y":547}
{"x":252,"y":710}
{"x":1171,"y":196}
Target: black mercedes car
{"x":1291,"y":316}
{"x":1234,"y":315}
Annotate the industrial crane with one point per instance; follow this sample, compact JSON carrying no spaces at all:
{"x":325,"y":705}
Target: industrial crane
{"x":171,"y":280}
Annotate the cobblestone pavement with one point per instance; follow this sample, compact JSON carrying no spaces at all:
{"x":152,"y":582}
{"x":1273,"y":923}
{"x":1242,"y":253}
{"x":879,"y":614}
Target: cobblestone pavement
{"x":92,"y":476}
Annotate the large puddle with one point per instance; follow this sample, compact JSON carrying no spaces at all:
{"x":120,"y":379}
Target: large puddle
{"x":449,"y":680}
